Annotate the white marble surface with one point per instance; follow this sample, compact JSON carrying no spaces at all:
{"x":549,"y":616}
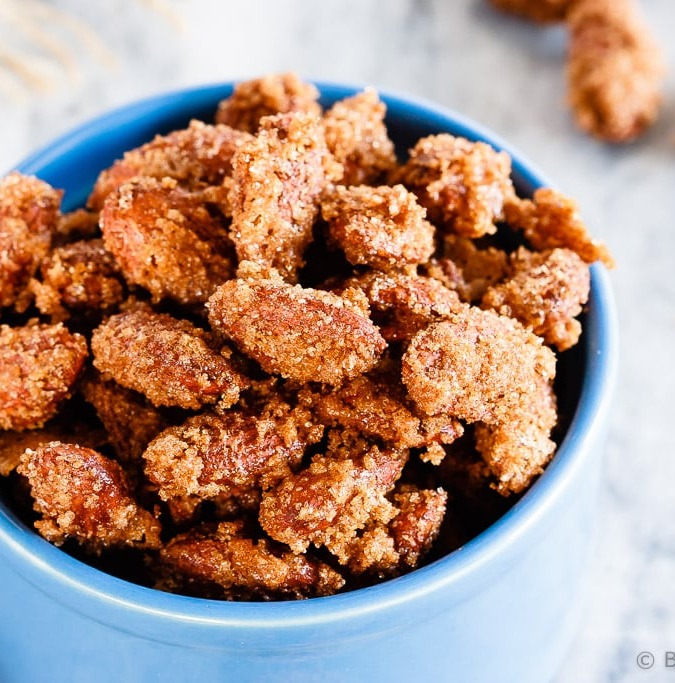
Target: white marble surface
{"x":507,"y":75}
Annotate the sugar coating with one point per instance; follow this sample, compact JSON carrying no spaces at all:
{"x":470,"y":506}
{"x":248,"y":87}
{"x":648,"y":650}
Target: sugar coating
{"x":29,"y":211}
{"x":38,"y":367}
{"x":615,"y":69}
{"x":166,"y":359}
{"x":84,"y":495}
{"x":300,"y":333}
{"x":277,"y":181}
{"x":549,"y":220}
{"x":166,"y":240}
{"x":357,"y":137}
{"x":197,"y":156}
{"x":383,"y":227}
{"x":273,"y":94}
{"x":462,"y":184}
{"x":545,"y":292}
{"x":226,"y":562}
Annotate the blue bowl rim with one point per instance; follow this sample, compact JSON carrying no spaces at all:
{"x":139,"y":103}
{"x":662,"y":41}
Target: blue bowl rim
{"x":467,"y":566}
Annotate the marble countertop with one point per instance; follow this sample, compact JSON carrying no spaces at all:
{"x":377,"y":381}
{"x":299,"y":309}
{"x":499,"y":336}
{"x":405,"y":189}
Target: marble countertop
{"x":504,"y":73}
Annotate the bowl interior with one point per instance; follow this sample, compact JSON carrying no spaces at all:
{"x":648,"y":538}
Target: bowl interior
{"x":585,"y":374}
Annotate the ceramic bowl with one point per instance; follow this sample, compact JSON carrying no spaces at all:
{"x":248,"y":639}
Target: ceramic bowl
{"x":501,"y":608}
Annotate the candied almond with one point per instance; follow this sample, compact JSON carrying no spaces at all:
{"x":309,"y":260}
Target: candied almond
{"x":550,"y":220}
{"x":165,"y":239}
{"x":166,"y":359}
{"x":383,"y":227}
{"x":198,"y":155}
{"x":252,"y":100}
{"x":357,"y":138}
{"x":241,"y":565}
{"x":332,"y":499}
{"x":476,"y":366}
{"x":29,"y":212}
{"x":38,"y":367}
{"x":615,"y":69}
{"x":301,"y":334}
{"x":208,"y":454}
{"x":462,"y":184}
{"x":545,"y":292}
{"x":84,"y":495}
{"x":278,"y":179}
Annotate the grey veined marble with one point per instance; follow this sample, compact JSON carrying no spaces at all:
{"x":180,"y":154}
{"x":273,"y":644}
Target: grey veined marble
{"x":509,"y":76}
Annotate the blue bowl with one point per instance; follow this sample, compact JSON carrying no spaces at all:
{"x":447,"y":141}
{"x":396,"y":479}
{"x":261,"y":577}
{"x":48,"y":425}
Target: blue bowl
{"x":501,"y":608}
